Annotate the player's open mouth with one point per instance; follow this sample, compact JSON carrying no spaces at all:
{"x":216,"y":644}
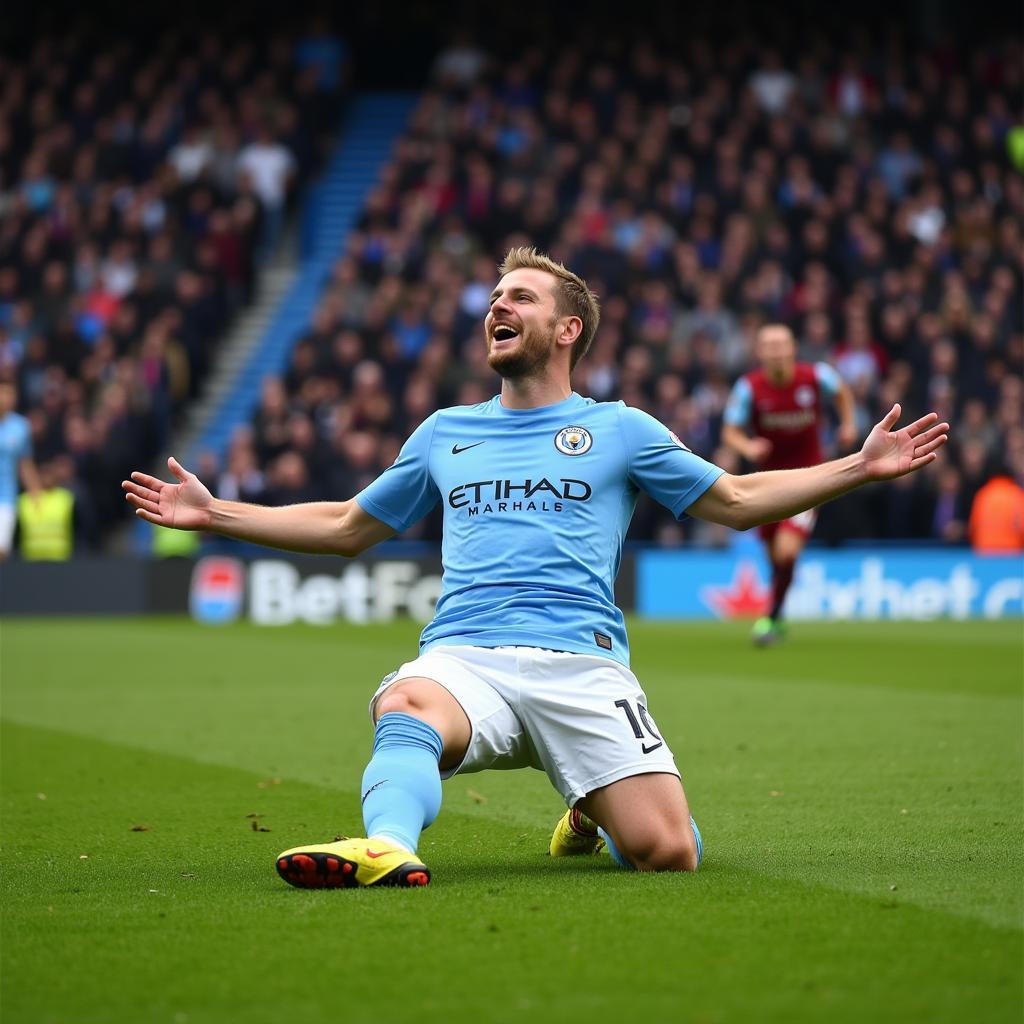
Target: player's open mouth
{"x":503,"y":332}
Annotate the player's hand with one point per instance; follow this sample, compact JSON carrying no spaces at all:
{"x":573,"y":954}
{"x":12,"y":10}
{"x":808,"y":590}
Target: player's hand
{"x":889,"y":453}
{"x":758,"y":449}
{"x":846,"y":436}
{"x":184,"y":505}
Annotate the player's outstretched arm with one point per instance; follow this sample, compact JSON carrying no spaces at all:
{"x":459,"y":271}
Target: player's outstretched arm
{"x":319,"y":527}
{"x":745,"y":501}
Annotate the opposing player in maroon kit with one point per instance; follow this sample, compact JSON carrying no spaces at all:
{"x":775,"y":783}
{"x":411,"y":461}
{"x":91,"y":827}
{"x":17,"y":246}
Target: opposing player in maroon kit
{"x":781,"y":404}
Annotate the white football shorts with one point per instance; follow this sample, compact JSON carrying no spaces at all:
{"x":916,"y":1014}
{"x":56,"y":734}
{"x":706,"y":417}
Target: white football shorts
{"x":8,"y":517}
{"x":583,"y":720}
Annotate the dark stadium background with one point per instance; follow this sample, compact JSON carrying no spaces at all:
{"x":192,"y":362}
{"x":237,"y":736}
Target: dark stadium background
{"x":884,"y":225}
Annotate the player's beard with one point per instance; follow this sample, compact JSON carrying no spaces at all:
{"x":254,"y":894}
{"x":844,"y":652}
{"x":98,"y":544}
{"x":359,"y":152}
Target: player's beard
{"x":529,"y":358}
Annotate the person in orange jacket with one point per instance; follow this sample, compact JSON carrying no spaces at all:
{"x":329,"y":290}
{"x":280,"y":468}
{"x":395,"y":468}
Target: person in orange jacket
{"x":996,"y":525}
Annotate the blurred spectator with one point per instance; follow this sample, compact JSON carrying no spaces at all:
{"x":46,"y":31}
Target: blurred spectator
{"x":16,"y":464}
{"x":997,"y":516}
{"x":46,"y":519}
{"x":270,"y":167}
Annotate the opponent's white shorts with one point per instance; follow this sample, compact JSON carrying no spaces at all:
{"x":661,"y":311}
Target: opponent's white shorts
{"x":8,"y":517}
{"x":581,"y":719}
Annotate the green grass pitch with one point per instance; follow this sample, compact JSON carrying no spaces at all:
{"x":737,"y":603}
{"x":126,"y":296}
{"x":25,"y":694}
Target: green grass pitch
{"x":859,"y":791}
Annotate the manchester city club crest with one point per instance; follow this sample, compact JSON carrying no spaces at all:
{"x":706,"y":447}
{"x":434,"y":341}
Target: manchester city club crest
{"x":573,"y":441}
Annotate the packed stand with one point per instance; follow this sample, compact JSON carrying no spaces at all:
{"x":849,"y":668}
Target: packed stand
{"x":140,"y":188}
{"x":864,"y":195}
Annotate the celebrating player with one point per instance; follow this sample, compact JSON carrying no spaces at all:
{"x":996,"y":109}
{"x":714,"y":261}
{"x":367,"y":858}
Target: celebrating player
{"x":526,"y":662}
{"x":783,"y":403}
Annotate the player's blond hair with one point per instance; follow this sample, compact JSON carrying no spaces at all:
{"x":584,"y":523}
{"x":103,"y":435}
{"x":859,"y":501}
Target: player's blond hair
{"x":572,"y":296}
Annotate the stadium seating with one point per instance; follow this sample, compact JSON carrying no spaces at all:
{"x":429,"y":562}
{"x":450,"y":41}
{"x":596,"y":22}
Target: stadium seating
{"x":875,"y":210}
{"x":140,"y":189}
{"x":862,"y":192}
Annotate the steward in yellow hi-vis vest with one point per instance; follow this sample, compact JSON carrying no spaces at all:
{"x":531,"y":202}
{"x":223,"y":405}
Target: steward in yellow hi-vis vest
{"x":46,"y":524}
{"x":174,"y":543}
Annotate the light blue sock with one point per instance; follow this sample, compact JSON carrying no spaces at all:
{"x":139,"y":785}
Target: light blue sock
{"x":623,"y":863}
{"x":700,"y":843}
{"x":614,"y":851}
{"x":402,"y":784}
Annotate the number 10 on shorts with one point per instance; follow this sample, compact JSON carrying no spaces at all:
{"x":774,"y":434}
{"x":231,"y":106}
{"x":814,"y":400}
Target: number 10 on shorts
{"x":635,"y":719}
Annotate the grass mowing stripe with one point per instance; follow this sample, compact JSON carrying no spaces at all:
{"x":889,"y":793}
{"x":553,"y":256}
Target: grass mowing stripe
{"x":501,"y":934}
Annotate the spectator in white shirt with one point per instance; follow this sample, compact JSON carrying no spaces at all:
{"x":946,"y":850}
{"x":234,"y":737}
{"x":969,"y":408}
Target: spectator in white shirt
{"x":190,"y":157}
{"x":270,"y":167}
{"x":772,"y":84}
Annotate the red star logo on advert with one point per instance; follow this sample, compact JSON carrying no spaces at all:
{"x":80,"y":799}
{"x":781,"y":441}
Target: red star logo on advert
{"x":744,"y":598}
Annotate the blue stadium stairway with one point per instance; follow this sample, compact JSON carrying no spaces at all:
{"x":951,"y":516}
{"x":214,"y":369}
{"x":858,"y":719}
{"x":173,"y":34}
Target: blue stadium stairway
{"x":331,"y":209}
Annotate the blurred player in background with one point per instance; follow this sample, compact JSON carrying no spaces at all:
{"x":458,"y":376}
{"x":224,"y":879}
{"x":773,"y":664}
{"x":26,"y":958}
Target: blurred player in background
{"x":526,"y":661}
{"x":782,"y":405}
{"x":15,"y":463}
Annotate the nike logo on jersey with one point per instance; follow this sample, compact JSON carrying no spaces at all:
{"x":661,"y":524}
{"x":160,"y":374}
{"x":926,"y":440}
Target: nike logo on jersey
{"x":465,"y":448}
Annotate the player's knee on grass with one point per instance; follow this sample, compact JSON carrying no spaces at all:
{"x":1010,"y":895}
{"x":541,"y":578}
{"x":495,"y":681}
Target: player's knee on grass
{"x":660,"y":850}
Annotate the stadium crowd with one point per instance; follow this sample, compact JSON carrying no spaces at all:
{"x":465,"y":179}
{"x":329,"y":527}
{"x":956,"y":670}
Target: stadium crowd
{"x":140,"y":188}
{"x":863,"y":195}
{"x":860,"y":190}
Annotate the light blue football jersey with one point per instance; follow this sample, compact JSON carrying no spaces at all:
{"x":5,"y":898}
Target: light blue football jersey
{"x":536,"y":506}
{"x":15,"y":445}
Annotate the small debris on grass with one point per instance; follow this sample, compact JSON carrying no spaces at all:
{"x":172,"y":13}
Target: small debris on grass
{"x":187,"y":874}
{"x":903,"y":810}
{"x":40,"y":796}
{"x":83,"y":856}
{"x":157,"y":891}
{"x":892,"y":888}
{"x":262,"y":828}
{"x":775,"y":792}
{"x":253,"y":814}
{"x":477,"y":798}
{"x":142,"y":828}
{"x":267,"y":783}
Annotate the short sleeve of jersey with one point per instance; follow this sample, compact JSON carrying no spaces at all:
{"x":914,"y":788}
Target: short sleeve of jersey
{"x":660,"y":464}
{"x":737,"y":409}
{"x":828,"y":379}
{"x":405,"y":492}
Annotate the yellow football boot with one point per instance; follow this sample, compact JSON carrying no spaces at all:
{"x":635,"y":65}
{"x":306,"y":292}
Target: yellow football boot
{"x":349,"y":863}
{"x":575,"y":834}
